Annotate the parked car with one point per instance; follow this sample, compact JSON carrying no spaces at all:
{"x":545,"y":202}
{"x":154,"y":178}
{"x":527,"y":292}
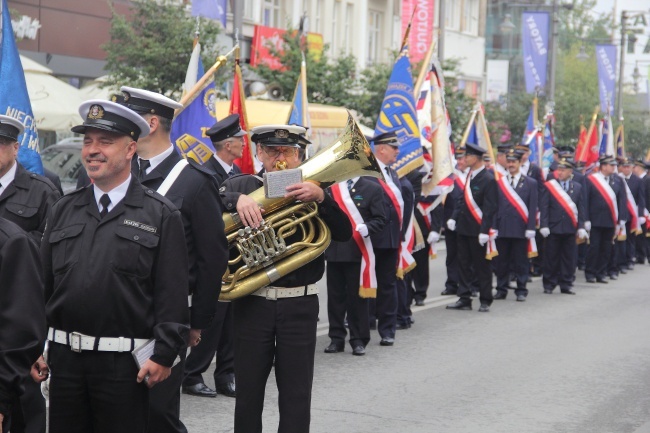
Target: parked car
{"x":64,"y":159}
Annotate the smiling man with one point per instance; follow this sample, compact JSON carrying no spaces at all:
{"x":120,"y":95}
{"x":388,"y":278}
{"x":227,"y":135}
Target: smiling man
{"x":116,"y":274}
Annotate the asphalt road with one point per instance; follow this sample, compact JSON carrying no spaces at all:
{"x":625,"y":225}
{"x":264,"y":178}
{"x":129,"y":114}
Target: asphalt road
{"x":555,"y":363}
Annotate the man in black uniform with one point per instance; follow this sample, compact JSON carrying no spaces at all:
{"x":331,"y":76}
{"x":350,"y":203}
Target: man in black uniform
{"x":626,"y":252}
{"x":363,"y":202}
{"x":25,"y":199}
{"x":641,"y":171}
{"x":475,"y":213}
{"x":22,"y":314}
{"x":226,"y":136}
{"x":277,"y":324}
{"x":606,"y":210}
{"x":562,"y":207}
{"x":193,"y":190}
{"x":116,"y":275}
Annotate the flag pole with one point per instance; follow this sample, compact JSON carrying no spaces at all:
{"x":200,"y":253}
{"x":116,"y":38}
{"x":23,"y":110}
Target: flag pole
{"x":205,"y":79}
{"x":589,"y":132}
{"x":486,"y":133}
{"x":426,"y":67}
{"x":408,"y":30}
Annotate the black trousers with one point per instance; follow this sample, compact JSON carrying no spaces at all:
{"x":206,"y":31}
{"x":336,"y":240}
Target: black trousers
{"x":560,"y":261}
{"x":217,"y":338}
{"x":582,"y":255}
{"x":630,"y":247}
{"x":283,"y":331}
{"x":343,"y":298}
{"x":641,"y":247}
{"x":404,"y":299}
{"x":473,"y":266}
{"x":165,"y":402}
{"x":386,"y":303}
{"x":95,"y":392}
{"x":451,"y":261}
{"x":613,"y":264}
{"x":28,"y":414}
{"x":513,"y":254}
{"x":599,"y":252}
{"x":419,"y":276}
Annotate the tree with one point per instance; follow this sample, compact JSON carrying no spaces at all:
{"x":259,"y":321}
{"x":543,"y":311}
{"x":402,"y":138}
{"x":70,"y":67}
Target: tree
{"x":151,"y":49}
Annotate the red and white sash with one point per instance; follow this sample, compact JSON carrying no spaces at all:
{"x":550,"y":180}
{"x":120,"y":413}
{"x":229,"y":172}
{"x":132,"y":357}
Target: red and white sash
{"x":516,"y":202}
{"x":368,"y":277}
{"x":607,"y":193}
{"x":635,"y":226}
{"x":477,"y":213}
{"x":406,"y":262}
{"x":425,"y":209}
{"x":564,"y":200}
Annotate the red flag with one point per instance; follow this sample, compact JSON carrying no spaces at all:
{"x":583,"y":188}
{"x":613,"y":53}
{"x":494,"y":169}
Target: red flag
{"x":589,"y":151}
{"x":238,"y":106}
{"x":582,"y":141}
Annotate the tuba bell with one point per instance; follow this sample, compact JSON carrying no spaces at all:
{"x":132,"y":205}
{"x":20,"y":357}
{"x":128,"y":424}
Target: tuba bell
{"x":258,"y":257}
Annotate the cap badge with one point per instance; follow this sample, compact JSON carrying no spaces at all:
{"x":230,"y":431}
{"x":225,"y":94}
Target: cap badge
{"x":96,"y":112}
{"x":281,"y":133}
{"x":127,"y":96}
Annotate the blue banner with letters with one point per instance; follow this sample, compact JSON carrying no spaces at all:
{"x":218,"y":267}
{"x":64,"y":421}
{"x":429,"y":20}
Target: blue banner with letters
{"x":213,"y":9}
{"x":398,"y":114}
{"x":14,"y":99}
{"x":606,"y":61}
{"x":534,"y":28}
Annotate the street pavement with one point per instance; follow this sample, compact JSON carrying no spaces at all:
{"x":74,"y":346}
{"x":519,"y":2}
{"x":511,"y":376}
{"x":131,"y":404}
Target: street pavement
{"x":555,"y":363}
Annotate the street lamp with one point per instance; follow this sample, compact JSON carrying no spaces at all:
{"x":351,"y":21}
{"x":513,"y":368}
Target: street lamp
{"x":507,"y":26}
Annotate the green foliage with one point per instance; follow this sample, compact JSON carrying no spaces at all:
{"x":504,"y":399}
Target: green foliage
{"x":152,"y":48}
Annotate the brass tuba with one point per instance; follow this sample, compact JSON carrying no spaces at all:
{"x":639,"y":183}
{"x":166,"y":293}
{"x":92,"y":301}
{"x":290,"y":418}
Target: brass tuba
{"x":258,"y":257}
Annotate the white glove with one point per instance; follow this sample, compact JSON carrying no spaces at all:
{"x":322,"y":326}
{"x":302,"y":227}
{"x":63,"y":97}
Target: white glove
{"x":545,"y":231}
{"x":451,"y":225}
{"x":362,"y":229}
{"x":433,"y":237}
{"x":483,"y":238}
{"x":622,"y":223}
{"x":494,"y":235}
{"x":641,"y":220}
{"x":530,"y":234}
{"x":588,"y":226}
{"x":582,"y":234}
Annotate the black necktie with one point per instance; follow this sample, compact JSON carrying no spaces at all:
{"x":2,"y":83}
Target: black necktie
{"x":350,"y":183}
{"x":231,"y":173}
{"x":566,"y":186}
{"x":144,"y":165}
{"x":512,"y":181}
{"x":104,"y":200}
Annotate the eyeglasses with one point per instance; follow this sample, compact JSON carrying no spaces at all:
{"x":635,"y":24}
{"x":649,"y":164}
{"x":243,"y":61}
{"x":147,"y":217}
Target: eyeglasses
{"x":274,"y":153}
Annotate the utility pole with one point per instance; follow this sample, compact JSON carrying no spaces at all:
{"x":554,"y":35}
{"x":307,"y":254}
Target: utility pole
{"x":441,"y":31}
{"x":551,"y":93}
{"x":619,"y":96}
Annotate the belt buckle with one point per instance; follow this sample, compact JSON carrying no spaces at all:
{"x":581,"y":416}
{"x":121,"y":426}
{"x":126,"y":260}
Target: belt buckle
{"x":75,"y":342}
{"x":273,"y":291}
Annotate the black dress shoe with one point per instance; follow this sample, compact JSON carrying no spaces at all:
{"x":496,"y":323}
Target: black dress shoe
{"x":592,"y":280}
{"x":602,"y":280}
{"x":622,"y":271}
{"x":548,"y":291}
{"x":334,"y":348}
{"x":358,"y":351}
{"x":484,"y":308}
{"x":568,"y":292}
{"x":402,"y":326}
{"x":387,"y":341}
{"x":459,"y":305}
{"x":521,"y":298}
{"x":200,"y":390}
{"x":474,"y":294}
{"x":613,"y":277}
{"x":500,"y":296}
{"x":227,"y":388}
{"x":448,"y":292}
{"x":419,"y":302}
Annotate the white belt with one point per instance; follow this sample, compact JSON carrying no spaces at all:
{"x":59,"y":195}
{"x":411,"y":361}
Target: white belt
{"x":79,"y":342}
{"x":189,"y":301}
{"x":272,"y":293}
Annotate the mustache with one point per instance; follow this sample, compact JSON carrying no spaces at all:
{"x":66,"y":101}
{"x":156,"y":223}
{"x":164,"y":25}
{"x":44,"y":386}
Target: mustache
{"x":96,"y":157}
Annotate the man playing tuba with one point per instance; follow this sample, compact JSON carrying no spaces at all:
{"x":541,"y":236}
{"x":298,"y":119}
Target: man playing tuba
{"x":278,"y":322}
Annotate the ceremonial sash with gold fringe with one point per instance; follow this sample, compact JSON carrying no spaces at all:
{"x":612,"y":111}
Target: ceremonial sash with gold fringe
{"x":477,"y":214}
{"x":607,"y":193}
{"x":521,"y":208}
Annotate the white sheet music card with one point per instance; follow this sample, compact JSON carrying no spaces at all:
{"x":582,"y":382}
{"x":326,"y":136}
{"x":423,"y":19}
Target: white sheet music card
{"x":276,"y":182}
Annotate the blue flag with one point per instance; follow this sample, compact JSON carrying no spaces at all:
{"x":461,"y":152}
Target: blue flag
{"x":398,"y":114}
{"x":14,"y":99}
{"x":299,"y":113}
{"x":549,"y":143}
{"x":530,"y":136}
{"x":606,"y":60}
{"x":534,"y":28}
{"x":189,"y":126}
{"x":213,"y":9}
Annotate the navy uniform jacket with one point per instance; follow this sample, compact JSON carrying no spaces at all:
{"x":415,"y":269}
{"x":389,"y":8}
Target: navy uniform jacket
{"x":484,"y":190}
{"x":22,"y":311}
{"x":390,"y":237}
{"x":536,"y":174}
{"x":646,"y":186}
{"x":328,"y":211}
{"x":124,"y":275}
{"x":597,"y":209}
{"x":451,"y":200}
{"x":220,"y":173}
{"x":368,"y":198}
{"x":636,"y":188}
{"x":409,"y":203}
{"x":196,"y":194}
{"x":509,"y":222}
{"x":27,"y":200}
{"x":554,"y":217}
{"x":580,"y":178}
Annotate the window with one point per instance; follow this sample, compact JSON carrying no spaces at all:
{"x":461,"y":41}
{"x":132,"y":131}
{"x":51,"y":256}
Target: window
{"x":271,"y":13}
{"x":318,"y":17}
{"x":248,"y":10}
{"x":452,"y":14}
{"x":347,"y":30}
{"x":335,"y":23}
{"x":470,"y":17}
{"x":374,"y":31}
